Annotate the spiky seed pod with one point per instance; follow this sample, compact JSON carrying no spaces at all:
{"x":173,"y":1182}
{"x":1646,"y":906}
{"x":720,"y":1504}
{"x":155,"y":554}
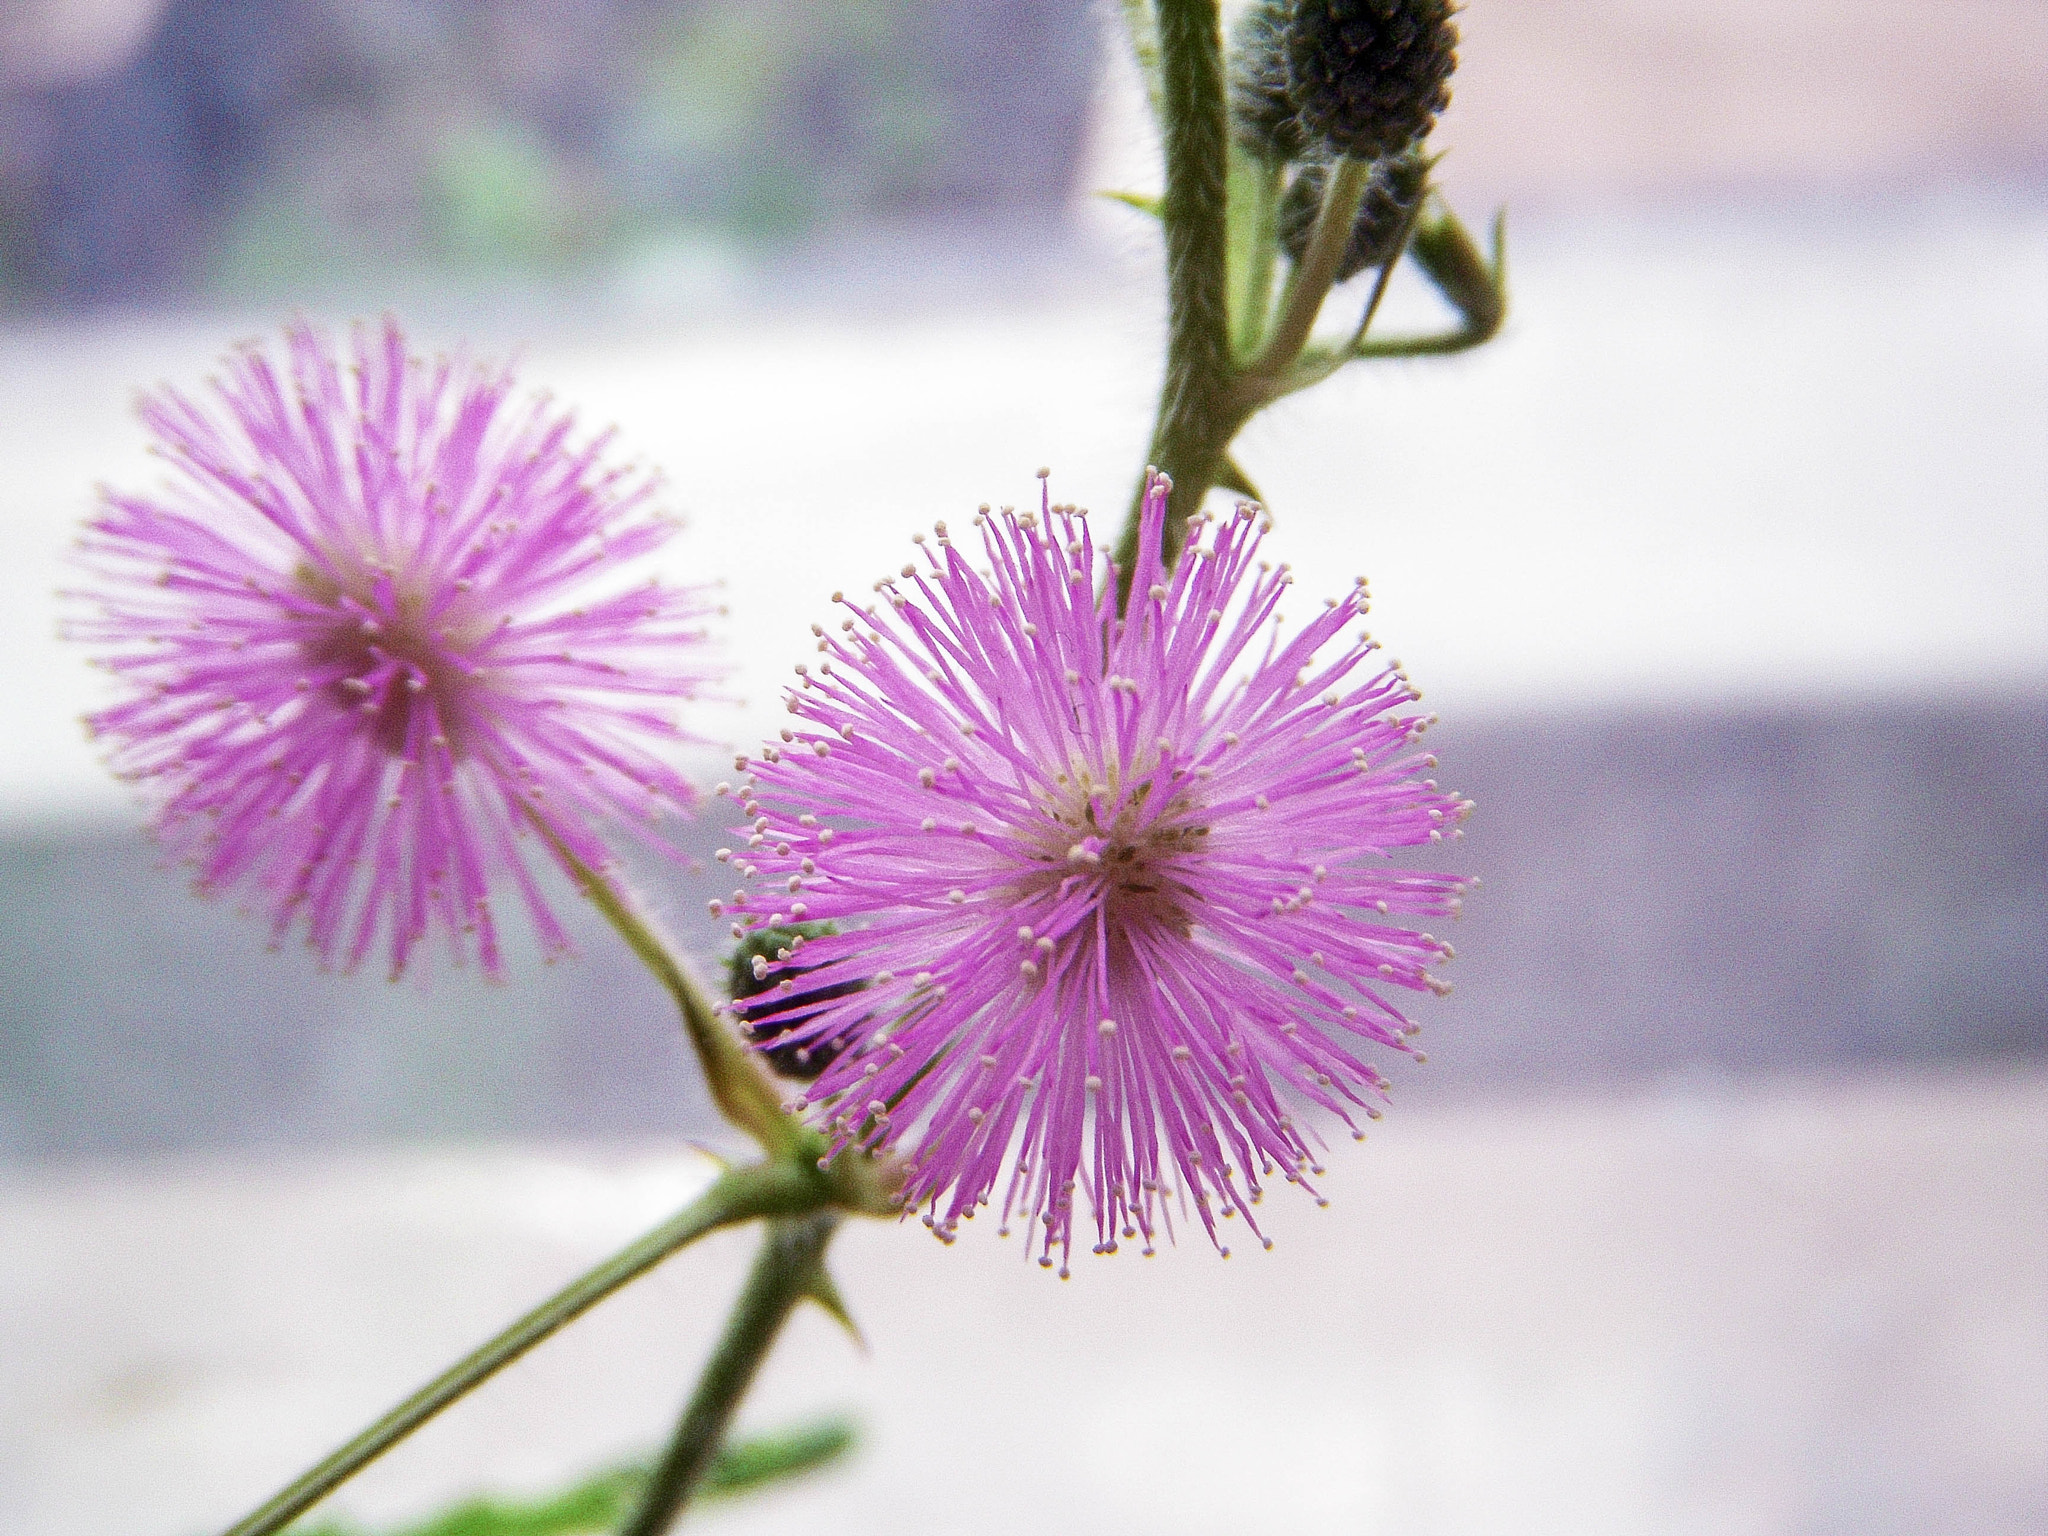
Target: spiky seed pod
{"x":1261,"y":113}
{"x":1397,"y":185}
{"x":1368,"y":77}
{"x":763,"y":1004}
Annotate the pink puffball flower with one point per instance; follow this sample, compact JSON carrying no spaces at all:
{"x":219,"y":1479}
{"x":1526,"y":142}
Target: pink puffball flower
{"x":1117,"y":884}
{"x":355,"y":657}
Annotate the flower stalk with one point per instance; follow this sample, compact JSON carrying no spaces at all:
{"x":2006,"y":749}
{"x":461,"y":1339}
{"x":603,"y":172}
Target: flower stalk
{"x":777,"y":1189}
{"x":799,"y":1189}
{"x":1206,"y":399}
{"x":1194,"y":423}
{"x":789,"y":1268}
{"x":1232,"y":349}
{"x":1227,"y":356}
{"x":1312,"y":283}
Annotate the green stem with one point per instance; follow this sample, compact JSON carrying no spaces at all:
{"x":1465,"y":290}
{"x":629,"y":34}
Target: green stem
{"x":1319,"y":363}
{"x":1441,"y":345}
{"x":1254,"y":249}
{"x":1473,"y":284}
{"x":769,"y":1189}
{"x":738,"y":1085}
{"x":1313,"y":279}
{"x":1386,"y":275}
{"x":787,"y":1269}
{"x":1194,"y":423}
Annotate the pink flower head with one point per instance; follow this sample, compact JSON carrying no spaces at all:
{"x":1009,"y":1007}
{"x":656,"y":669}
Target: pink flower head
{"x":1118,"y":885}
{"x":351,"y":667}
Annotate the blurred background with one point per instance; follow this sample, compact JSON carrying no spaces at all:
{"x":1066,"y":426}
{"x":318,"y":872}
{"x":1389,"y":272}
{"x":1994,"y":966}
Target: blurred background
{"x":1722,"y":1202}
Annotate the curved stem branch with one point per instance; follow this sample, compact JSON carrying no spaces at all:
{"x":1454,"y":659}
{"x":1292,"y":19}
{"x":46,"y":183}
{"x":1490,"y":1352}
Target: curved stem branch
{"x":1318,"y":270}
{"x":769,"y":1189}
{"x":1386,"y":275}
{"x":1441,"y":345}
{"x":788,"y":1268}
{"x":738,"y":1086}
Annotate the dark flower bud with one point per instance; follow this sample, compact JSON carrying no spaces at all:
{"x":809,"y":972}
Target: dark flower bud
{"x":764,"y":1008}
{"x":1397,"y":185}
{"x":1261,"y":113}
{"x":1368,"y":77}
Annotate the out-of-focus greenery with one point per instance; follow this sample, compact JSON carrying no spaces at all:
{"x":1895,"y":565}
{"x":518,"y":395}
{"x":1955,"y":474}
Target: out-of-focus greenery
{"x":497,"y":191}
{"x":747,"y":119}
{"x":601,"y":1501}
{"x":768,"y":116}
{"x":287,"y":144}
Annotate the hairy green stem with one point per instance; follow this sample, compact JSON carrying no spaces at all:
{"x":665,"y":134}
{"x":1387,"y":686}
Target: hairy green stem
{"x":769,"y":1189}
{"x":788,"y":1268}
{"x":1194,"y":425}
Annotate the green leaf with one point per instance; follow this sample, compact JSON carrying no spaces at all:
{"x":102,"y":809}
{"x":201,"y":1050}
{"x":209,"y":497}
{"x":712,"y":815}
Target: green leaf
{"x":769,"y":1458}
{"x":1474,"y":285}
{"x":1144,"y":202}
{"x":596,"y":1504}
{"x":601,"y":1501}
